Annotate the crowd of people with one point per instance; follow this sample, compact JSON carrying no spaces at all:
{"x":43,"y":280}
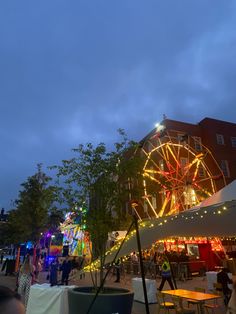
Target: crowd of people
{"x":152,"y":261}
{"x":59,"y":270}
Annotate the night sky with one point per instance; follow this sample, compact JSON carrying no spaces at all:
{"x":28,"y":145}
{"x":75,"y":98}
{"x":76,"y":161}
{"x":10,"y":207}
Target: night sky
{"x":75,"y":71}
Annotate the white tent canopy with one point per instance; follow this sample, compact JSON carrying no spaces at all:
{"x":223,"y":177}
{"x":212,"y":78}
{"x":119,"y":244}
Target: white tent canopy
{"x":226,"y":194}
{"x":216,"y":216}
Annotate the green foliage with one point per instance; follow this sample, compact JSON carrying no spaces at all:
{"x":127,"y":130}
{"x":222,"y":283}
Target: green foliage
{"x":33,"y":209}
{"x":103,"y":181}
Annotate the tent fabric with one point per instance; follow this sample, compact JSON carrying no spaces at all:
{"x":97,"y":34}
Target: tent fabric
{"x":228,"y":193}
{"x":215,"y":217}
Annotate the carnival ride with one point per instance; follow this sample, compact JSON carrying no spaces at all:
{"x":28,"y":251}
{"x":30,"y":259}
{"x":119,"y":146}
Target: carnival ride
{"x":182,"y":172}
{"x":74,"y":235}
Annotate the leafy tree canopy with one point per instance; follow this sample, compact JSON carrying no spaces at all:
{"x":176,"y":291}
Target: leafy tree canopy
{"x":103,"y":181}
{"x":34,"y":211}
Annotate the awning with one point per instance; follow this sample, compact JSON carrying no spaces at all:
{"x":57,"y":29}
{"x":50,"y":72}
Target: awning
{"x":218,"y":219}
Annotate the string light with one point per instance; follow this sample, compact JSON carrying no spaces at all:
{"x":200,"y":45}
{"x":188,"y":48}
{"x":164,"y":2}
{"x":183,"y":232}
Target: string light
{"x":95,"y":265}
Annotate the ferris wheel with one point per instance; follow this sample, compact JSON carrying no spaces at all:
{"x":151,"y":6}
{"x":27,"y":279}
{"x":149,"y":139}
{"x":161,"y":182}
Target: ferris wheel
{"x":179,"y":172}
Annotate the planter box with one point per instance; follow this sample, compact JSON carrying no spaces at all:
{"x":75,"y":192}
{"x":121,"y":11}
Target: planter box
{"x":112,"y":300}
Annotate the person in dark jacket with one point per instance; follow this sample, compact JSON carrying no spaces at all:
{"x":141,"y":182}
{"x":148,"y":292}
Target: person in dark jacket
{"x":117,"y":267}
{"x":9,"y":265}
{"x":66,"y":269}
{"x":53,"y":270}
{"x":81,"y":265}
{"x":1,"y":258}
{"x":224,"y":280}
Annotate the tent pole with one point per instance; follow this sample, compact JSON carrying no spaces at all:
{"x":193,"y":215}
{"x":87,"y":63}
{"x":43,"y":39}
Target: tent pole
{"x":141,"y":264}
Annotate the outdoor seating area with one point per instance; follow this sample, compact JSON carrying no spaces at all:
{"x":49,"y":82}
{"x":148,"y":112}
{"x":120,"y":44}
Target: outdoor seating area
{"x":56,"y":296}
{"x":181,"y":295}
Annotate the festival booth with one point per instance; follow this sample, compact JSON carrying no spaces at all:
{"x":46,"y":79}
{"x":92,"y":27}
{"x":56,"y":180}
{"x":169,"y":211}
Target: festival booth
{"x":203,"y":253}
{"x":214,"y":218}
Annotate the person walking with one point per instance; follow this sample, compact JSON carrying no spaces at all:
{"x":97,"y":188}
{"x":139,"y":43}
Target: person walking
{"x":25,"y":278}
{"x":166,"y":274}
{"x":66,"y":269}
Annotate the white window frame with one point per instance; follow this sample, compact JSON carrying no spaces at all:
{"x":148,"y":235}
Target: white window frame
{"x":224,"y":165}
{"x":183,"y":163}
{"x":220,"y":139}
{"x":201,"y":171}
{"x":197,"y":143}
{"x":154,"y":202}
{"x":233,"y":141}
{"x":179,"y":137}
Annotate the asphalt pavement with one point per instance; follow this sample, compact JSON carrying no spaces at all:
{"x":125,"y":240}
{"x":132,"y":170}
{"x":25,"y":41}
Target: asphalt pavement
{"x":125,"y":282}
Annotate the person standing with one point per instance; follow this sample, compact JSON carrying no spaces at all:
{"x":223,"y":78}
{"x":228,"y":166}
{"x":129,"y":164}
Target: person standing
{"x":166,"y":274}
{"x":117,"y":267}
{"x":9,"y":265}
{"x":53,"y":270}
{"x":66,"y":269}
{"x":224,"y":280}
{"x":134,"y":263}
{"x":1,"y":258}
{"x":25,"y":278}
{"x":81,"y":265}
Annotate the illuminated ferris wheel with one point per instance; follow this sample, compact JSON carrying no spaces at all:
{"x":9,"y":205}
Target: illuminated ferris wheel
{"x":179,"y":172}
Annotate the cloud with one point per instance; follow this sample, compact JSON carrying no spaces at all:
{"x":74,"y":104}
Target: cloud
{"x":76,"y":71}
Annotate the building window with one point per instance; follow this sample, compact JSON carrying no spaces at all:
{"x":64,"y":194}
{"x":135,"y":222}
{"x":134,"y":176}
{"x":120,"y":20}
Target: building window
{"x":150,"y":146}
{"x":201,"y":171}
{"x":233,"y":141}
{"x":145,"y":207}
{"x":182,"y":138}
{"x":197,"y":143}
{"x":183,"y":163}
{"x":220,"y":139}
{"x":154,"y":202}
{"x":225,"y":168}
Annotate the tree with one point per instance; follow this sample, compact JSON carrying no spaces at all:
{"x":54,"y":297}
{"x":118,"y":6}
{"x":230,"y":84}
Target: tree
{"x":103,"y":181}
{"x":55,"y":217}
{"x":33,"y":208}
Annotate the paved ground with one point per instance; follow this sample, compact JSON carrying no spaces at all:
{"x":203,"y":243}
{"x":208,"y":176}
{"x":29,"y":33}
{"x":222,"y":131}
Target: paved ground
{"x":138,"y":308}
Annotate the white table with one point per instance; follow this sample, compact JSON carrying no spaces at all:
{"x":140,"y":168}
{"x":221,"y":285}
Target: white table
{"x":151,"y":286}
{"x":212,"y":278}
{"x":44,"y":299}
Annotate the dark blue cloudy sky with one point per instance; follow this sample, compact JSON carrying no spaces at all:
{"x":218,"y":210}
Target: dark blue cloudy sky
{"x":73,"y":71}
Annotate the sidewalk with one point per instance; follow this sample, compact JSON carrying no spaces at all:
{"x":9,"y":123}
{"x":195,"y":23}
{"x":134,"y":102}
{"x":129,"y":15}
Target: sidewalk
{"x":138,"y":308}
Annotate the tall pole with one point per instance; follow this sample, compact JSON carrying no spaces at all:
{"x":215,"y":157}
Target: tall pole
{"x":17,"y":264}
{"x":141,"y":260}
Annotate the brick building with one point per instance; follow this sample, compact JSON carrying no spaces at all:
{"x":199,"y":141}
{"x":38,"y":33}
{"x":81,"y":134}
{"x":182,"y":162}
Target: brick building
{"x":185,"y":164}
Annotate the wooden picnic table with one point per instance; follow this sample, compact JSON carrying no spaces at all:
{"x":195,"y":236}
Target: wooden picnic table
{"x":192,"y":295}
